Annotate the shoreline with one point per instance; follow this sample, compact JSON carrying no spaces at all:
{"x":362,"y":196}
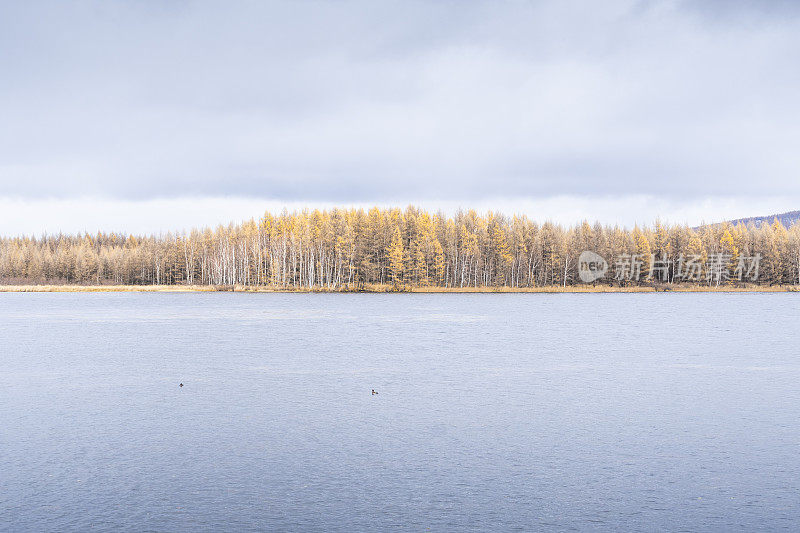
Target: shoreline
{"x":587,"y":289}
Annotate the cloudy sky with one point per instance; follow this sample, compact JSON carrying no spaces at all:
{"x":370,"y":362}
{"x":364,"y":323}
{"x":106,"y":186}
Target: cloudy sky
{"x":150,"y":116}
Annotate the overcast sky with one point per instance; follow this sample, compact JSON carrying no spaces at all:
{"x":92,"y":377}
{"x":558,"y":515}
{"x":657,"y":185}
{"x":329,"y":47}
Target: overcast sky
{"x":149,"y":116}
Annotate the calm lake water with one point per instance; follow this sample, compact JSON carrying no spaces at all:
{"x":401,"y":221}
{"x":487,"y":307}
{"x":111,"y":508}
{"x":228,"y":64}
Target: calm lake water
{"x":495,"y":412}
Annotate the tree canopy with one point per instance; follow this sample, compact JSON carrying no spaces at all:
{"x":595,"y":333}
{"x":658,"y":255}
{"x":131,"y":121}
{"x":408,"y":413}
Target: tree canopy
{"x":340,"y":248}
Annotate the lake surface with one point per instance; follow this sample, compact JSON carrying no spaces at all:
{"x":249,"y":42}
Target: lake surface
{"x":495,"y":412}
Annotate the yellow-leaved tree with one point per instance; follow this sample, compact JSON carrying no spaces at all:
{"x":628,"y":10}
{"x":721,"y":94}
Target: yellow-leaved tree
{"x":729,"y":248}
{"x":395,"y":255}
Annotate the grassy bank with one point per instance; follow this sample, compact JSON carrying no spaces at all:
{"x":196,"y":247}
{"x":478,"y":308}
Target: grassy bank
{"x":389,"y":288}
{"x":106,"y":288}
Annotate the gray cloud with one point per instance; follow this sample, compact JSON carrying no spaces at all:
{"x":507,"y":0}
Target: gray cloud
{"x":368,"y":101}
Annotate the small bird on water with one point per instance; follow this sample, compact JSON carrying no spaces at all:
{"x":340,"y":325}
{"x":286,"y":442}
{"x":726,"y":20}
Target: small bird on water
{"x":373,"y":391}
{"x":181,"y":385}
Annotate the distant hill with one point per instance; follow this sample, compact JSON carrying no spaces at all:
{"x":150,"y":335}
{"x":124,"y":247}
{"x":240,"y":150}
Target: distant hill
{"x":787,"y":219}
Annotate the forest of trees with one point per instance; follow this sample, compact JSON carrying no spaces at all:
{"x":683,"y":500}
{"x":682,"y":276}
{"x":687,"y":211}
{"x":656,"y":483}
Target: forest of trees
{"x":354,"y":248}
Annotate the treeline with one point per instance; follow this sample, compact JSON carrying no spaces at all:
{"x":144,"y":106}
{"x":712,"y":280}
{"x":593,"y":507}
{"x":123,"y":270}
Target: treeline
{"x":402,"y":248}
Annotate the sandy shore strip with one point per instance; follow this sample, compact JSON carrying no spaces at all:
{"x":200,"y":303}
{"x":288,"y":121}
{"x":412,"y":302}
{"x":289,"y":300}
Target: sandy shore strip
{"x":390,"y":289}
